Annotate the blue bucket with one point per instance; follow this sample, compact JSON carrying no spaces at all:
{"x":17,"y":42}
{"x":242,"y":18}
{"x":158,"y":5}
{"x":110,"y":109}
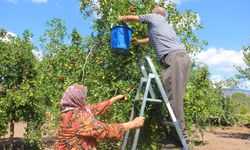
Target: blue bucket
{"x":120,"y":39}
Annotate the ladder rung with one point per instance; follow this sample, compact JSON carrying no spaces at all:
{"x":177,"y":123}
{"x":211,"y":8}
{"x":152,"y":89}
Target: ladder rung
{"x":138,"y":99}
{"x":154,"y":100}
{"x":150,"y":100}
{"x":151,"y":75}
{"x":144,"y":79}
{"x":167,"y":123}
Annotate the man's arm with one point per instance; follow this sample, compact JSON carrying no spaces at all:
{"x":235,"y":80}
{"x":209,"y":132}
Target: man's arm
{"x":142,"y":41}
{"x":129,"y":18}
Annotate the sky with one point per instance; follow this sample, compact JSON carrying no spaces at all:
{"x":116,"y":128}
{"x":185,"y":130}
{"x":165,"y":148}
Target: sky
{"x":226,"y":26}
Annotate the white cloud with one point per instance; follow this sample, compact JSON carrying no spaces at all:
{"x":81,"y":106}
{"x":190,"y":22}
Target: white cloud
{"x":219,"y":78}
{"x":222,"y":59}
{"x":39,"y":1}
{"x":13,"y":1}
{"x":222,"y":63}
{"x":8,"y":36}
{"x":216,"y":78}
{"x":38,"y":55}
{"x":246,"y":85}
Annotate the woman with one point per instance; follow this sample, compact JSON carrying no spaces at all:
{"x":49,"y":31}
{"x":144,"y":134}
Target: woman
{"x":79,"y":128}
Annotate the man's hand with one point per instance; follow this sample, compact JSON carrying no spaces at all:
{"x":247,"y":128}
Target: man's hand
{"x":141,"y":41}
{"x":120,"y":18}
{"x":135,"y":41}
{"x":117,"y":98}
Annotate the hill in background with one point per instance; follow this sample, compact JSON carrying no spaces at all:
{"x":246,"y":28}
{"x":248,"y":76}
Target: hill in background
{"x":229,"y":92}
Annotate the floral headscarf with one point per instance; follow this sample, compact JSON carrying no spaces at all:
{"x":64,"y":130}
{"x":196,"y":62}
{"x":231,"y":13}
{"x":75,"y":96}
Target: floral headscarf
{"x":74,"y":97}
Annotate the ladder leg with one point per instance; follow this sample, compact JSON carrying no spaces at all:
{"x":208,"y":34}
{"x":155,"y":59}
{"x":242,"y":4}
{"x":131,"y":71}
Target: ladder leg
{"x":127,"y":132}
{"x":145,"y":74}
{"x":177,"y":126}
{"x":148,"y":77}
{"x":180,"y":134}
{"x":132,"y":114}
{"x":141,"y":113}
{"x":172,"y":115}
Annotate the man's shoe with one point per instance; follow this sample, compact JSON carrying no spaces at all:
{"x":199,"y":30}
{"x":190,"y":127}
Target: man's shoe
{"x":169,"y":143}
{"x":172,"y":140}
{"x":185,"y":136}
{"x":184,"y":133}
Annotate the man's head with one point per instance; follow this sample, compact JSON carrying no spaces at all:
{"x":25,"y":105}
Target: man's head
{"x":159,"y":10}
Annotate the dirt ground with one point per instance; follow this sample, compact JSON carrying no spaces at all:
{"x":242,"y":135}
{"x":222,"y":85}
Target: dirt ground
{"x":219,"y":138}
{"x":226,"y":138}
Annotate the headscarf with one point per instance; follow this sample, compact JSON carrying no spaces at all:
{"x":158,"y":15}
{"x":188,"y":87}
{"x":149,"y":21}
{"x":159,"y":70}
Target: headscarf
{"x":74,"y":97}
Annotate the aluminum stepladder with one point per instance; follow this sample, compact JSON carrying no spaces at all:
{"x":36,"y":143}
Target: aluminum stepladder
{"x":147,"y":78}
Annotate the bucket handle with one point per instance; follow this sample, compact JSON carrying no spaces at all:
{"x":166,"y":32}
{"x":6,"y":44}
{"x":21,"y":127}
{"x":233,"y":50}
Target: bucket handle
{"x":123,"y":23}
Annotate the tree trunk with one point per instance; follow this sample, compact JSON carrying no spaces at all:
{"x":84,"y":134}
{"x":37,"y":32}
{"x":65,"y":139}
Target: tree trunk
{"x":12,"y":125}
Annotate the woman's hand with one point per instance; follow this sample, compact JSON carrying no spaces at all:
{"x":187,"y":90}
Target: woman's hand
{"x":137,"y":122}
{"x":117,"y":98}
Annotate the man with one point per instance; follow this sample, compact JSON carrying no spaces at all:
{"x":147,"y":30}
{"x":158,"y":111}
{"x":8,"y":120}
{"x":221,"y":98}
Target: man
{"x":169,"y":51}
